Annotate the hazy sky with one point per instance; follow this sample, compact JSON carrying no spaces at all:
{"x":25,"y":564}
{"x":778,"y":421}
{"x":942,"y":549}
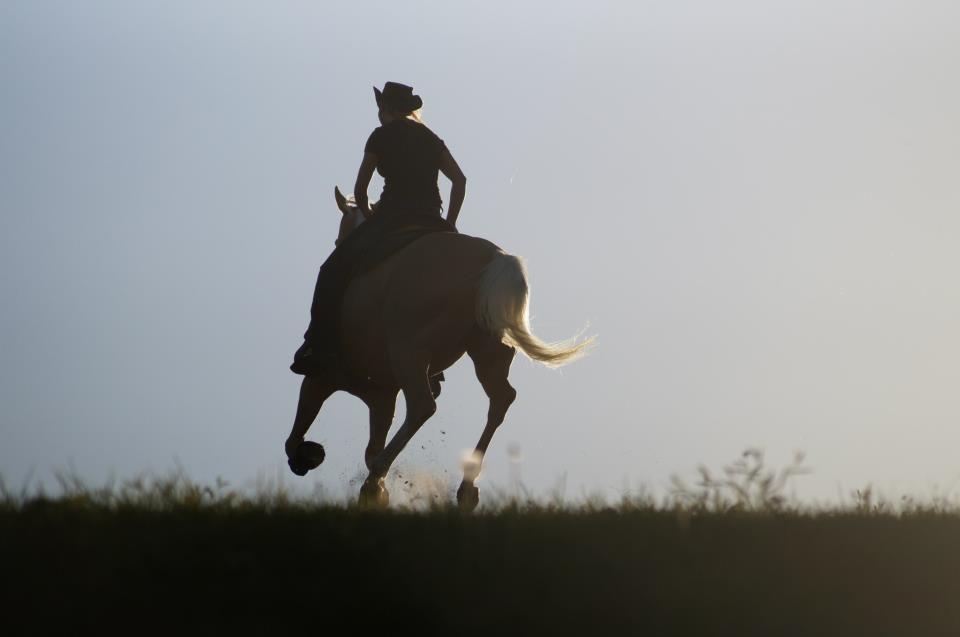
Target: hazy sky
{"x":752,"y":203}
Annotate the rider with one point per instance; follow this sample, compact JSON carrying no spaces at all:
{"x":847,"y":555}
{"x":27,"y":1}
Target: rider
{"x":408,"y":156}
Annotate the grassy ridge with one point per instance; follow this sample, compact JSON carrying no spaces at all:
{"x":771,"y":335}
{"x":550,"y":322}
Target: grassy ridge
{"x":190,"y":562}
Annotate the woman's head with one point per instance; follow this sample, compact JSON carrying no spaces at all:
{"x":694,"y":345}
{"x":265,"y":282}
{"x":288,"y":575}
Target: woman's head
{"x":396,"y":101}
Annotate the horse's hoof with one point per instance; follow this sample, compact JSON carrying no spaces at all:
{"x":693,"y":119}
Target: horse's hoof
{"x":309,"y":455}
{"x":312,"y":453}
{"x":373,"y":494}
{"x":468,"y":497}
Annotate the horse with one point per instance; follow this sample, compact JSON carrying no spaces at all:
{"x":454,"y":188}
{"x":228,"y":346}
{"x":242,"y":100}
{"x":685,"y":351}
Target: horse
{"x":409,"y":318}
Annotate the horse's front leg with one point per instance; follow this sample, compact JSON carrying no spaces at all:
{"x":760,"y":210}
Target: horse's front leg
{"x":301,"y":458}
{"x":382,"y":405}
{"x":411,"y":373}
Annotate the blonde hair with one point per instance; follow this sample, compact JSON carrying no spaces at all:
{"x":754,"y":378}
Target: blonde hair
{"x":414,"y":116}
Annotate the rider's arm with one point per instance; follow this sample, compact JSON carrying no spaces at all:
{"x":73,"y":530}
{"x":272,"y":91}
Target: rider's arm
{"x":367,"y":166}
{"x":458,"y":187}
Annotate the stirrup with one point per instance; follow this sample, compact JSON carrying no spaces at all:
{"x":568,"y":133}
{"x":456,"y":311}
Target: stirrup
{"x":435,"y":381}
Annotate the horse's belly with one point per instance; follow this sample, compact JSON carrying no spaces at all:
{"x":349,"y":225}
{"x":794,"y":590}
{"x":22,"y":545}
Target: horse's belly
{"x":369,"y":332}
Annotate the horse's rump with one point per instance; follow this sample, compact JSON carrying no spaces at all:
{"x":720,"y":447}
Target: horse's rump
{"x":421,"y":295}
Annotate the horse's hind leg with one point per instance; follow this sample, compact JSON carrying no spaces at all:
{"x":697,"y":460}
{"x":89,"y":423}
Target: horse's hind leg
{"x":491,"y":360}
{"x":313,"y":392}
{"x":410,"y":369}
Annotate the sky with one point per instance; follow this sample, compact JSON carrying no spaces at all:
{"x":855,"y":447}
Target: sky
{"x":752,"y":203}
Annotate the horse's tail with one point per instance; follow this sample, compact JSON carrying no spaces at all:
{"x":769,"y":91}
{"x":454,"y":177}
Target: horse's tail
{"x":502,"y":299}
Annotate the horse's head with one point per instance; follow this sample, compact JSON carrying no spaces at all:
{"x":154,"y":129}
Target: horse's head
{"x":352,"y":215}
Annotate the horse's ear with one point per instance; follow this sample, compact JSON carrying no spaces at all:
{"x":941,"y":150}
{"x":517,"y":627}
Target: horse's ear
{"x":341,"y":200}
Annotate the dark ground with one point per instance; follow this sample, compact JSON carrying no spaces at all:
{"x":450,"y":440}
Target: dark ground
{"x":528,"y":572}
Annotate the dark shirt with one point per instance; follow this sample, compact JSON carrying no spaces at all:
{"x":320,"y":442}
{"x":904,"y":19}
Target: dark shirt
{"x":408,"y":158}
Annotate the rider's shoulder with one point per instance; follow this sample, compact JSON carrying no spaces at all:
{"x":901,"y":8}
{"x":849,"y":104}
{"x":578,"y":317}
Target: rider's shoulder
{"x":429,"y":132}
{"x":387,"y":129}
{"x":394,"y":131}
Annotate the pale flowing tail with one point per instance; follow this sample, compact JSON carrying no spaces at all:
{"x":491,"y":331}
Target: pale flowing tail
{"x":502,"y":299}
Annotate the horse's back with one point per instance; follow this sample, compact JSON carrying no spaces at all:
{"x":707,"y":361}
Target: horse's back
{"x":424,"y":296}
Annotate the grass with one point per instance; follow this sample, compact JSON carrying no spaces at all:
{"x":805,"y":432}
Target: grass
{"x":726,"y":555}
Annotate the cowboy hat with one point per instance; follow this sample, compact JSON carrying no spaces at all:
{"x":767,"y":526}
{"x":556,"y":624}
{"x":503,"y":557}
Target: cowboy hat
{"x":398,"y":97}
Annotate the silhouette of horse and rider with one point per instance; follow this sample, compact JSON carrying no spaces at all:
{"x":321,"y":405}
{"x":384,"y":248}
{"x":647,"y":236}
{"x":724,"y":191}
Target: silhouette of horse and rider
{"x":403,"y":296}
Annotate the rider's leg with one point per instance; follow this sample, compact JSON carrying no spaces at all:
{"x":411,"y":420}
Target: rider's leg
{"x":321,"y":340}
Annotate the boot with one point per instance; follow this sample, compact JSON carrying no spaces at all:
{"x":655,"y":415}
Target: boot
{"x":311,"y":360}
